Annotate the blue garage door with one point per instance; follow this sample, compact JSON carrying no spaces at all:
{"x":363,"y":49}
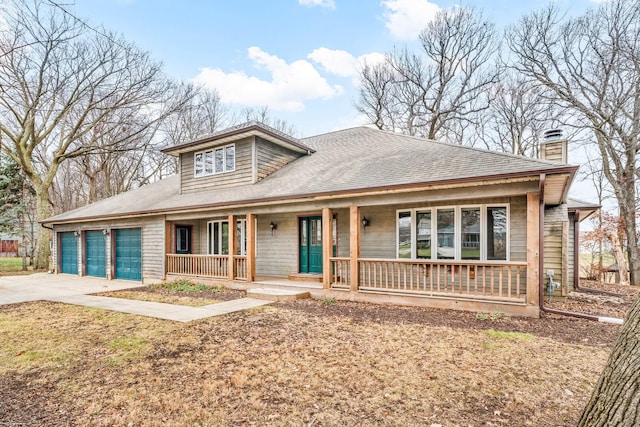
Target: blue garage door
{"x":68,"y":253}
{"x":128,"y":255}
{"x":96,"y":254}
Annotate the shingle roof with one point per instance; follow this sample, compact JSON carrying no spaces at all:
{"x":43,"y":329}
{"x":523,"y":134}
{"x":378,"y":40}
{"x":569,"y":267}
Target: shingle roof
{"x":349,"y":160}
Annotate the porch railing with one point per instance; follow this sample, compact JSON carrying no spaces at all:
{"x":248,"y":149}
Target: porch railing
{"x":496,"y":280}
{"x":241,"y":266}
{"x":341,"y":269}
{"x":216,"y":266}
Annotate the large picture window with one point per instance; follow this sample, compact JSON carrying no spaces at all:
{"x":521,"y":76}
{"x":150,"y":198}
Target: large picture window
{"x":219,"y":160}
{"x":459,"y":233}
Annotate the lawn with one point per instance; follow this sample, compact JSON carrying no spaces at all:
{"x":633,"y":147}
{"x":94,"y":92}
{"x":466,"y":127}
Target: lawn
{"x":309,"y":362}
{"x":10,"y":264}
{"x":13,"y":266}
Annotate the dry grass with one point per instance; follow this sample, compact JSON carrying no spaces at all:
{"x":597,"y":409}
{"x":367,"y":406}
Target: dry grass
{"x":158,"y":297}
{"x":279,"y":366}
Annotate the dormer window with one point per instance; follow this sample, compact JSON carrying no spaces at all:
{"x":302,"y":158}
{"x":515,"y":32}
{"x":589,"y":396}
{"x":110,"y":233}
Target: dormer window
{"x":214,"y":161}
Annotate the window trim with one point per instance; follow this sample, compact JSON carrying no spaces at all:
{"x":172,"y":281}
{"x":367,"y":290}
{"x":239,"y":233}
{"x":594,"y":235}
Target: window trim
{"x":212,"y":152}
{"x":457,"y":232}
{"x":240,"y":244}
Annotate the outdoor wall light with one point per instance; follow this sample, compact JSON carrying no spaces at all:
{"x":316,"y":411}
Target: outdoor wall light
{"x":273,"y":226}
{"x":365,"y":221}
{"x":105,"y":232}
{"x":76,"y":233}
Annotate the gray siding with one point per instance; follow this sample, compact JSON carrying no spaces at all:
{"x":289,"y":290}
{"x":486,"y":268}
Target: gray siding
{"x":153,"y":243}
{"x":242,"y":174}
{"x":379,"y":239}
{"x":570,"y":256}
{"x":277,"y":254}
{"x":556,"y":253}
{"x":271,"y":157}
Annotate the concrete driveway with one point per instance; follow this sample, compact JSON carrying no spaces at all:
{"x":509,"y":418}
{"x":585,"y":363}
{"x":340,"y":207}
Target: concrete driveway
{"x":75,"y":290}
{"x":44,"y":286}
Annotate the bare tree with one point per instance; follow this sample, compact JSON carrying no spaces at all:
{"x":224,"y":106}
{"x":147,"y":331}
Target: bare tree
{"x":591,"y":65}
{"x":263,"y":115}
{"x":438,"y":92}
{"x":67,"y":90}
{"x":517,"y":116}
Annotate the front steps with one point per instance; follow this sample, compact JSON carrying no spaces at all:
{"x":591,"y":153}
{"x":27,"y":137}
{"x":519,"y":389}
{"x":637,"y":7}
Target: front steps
{"x":272,"y":294}
{"x":305,"y":277}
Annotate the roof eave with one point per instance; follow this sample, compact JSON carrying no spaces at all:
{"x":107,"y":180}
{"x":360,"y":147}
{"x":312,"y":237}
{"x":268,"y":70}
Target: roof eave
{"x":235,"y":134}
{"x":328,"y":194}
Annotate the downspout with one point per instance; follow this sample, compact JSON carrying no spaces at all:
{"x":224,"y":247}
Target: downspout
{"x":576,"y":263}
{"x":541,"y":269}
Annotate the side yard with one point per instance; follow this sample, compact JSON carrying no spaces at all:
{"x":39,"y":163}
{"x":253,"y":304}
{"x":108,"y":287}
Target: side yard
{"x":312,"y":363}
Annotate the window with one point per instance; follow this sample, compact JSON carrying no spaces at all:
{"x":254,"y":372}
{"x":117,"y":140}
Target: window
{"x":423,"y":234}
{"x":497,"y":233}
{"x":459,"y":233}
{"x":404,"y":235}
{"x":218,"y":237}
{"x":470,"y":229}
{"x":446,"y":227}
{"x":199,"y":164}
{"x":230,"y":158}
{"x":216,"y":161}
{"x":183,"y":239}
{"x":208,"y":162}
{"x":219,"y":160}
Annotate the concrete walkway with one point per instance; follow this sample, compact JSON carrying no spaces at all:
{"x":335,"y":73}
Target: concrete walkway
{"x":74,"y":290}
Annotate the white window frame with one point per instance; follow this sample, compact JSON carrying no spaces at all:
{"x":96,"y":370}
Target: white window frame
{"x":243,"y":235}
{"x":201,"y":171}
{"x":458,"y":230}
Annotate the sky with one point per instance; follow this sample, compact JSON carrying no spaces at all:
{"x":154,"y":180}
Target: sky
{"x":297,"y":57}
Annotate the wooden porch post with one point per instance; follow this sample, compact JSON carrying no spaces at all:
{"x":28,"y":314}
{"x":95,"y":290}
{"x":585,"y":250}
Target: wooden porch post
{"x":167,"y":245}
{"x":251,"y":247}
{"x":232,"y":248}
{"x":354,"y":245}
{"x":533,"y":241}
{"x":327,"y":247}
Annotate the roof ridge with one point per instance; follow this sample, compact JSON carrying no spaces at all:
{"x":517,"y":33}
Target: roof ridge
{"x":468,"y":147}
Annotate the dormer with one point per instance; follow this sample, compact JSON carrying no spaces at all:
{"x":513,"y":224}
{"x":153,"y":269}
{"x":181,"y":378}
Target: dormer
{"x":240,"y":155}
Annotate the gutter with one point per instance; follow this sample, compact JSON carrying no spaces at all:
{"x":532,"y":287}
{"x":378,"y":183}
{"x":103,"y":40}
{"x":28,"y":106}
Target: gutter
{"x":603,"y":319}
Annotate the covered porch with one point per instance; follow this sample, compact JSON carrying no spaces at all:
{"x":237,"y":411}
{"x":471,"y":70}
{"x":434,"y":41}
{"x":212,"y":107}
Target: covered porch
{"x":344,"y":257}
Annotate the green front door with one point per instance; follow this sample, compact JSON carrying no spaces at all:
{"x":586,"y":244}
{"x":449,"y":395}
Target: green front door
{"x":96,"y":254}
{"x":310,"y":244}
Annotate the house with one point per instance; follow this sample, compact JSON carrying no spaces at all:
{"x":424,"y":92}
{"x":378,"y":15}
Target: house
{"x":9,"y":245}
{"x":359,"y":214}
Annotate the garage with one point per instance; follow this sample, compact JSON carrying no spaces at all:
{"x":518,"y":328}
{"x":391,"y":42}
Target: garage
{"x":128,"y":254}
{"x":95,"y":254}
{"x":68,"y":253}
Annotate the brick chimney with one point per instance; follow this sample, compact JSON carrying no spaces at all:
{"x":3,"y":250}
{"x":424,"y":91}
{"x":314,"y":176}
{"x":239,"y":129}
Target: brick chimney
{"x":553,"y":146}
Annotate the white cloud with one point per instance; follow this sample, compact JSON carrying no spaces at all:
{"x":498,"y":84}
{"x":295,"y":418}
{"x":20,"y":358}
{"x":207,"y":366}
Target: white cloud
{"x":291,"y":84}
{"x":406,"y":18}
{"x":330,"y":4}
{"x":342,"y":63}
